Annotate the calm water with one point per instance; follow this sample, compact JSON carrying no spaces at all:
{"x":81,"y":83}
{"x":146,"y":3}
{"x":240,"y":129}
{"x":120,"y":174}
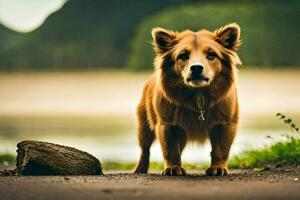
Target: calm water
{"x":95,"y":112}
{"x":112,"y":140}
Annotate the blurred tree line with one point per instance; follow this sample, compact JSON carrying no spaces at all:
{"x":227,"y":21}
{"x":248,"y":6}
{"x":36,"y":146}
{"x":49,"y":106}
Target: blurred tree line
{"x":270,"y":29}
{"x":104,"y":34}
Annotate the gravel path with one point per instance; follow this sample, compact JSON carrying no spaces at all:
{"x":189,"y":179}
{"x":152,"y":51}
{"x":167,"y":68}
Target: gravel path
{"x":275,"y":184}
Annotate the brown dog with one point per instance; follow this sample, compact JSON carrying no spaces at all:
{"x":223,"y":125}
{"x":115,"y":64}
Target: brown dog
{"x":190,"y":96}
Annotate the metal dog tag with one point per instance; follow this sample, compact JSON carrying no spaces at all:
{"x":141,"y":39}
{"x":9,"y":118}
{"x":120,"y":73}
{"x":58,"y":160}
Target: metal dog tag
{"x":201,"y":115}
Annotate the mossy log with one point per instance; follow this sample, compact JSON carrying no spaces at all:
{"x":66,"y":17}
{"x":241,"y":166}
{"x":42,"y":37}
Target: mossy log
{"x":43,"y":158}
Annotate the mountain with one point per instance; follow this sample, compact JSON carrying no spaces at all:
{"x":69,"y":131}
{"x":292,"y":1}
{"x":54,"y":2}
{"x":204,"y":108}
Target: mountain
{"x":83,"y":34}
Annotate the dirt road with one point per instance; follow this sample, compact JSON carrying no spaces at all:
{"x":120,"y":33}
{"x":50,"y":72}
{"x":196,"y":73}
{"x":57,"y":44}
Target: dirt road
{"x":275,"y":184}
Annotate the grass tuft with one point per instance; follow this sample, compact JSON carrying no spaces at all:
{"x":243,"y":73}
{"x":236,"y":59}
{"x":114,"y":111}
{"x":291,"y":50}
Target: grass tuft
{"x":7,"y":158}
{"x":283,"y":153}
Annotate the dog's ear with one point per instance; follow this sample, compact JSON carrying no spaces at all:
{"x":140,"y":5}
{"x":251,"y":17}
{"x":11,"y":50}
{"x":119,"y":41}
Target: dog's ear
{"x":163,"y":40}
{"x":229,"y":36}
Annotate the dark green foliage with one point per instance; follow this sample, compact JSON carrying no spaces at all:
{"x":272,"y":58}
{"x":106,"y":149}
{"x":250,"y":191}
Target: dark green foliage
{"x":83,"y":34}
{"x":269,"y":29}
{"x":95,"y":33}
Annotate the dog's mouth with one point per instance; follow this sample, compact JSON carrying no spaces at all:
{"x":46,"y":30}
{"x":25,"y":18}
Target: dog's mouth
{"x":197,"y":78}
{"x":197,"y":81}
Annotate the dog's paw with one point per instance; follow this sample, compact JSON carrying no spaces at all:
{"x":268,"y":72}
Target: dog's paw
{"x":217,"y":171}
{"x":174,"y":171}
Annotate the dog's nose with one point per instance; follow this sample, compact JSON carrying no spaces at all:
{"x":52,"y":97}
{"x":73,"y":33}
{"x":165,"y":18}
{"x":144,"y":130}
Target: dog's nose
{"x":197,"y":69}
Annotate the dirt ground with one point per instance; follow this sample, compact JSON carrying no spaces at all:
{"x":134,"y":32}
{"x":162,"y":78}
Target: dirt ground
{"x":281,"y":183}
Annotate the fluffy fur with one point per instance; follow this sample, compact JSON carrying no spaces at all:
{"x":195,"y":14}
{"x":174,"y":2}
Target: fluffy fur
{"x":195,"y":75}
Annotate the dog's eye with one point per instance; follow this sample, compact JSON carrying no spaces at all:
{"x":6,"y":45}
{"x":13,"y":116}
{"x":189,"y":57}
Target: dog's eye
{"x":184,"y":56}
{"x":211,"y":55}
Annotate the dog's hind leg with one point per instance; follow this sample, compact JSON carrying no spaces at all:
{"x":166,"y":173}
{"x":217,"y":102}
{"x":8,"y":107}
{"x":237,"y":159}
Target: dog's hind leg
{"x":146,"y":137}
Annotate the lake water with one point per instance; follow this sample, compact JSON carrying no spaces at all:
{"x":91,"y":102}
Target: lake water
{"x":95,"y":111}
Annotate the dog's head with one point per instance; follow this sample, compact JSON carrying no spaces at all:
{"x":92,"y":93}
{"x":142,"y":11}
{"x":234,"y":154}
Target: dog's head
{"x":197,"y":58}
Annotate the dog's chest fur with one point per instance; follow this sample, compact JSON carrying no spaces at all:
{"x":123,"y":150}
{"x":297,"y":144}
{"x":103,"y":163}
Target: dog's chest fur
{"x":187,"y":119}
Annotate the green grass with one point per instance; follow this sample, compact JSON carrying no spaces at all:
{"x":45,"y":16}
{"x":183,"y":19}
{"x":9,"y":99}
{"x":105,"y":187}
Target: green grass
{"x":117,"y":165}
{"x":284,"y":153}
{"x":110,"y":164}
{"x":7,"y":157}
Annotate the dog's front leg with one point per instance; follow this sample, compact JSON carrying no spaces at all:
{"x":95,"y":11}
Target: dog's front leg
{"x":172,"y":139}
{"x":221,"y":137}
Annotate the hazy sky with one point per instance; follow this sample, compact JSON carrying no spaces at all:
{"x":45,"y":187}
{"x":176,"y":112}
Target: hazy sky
{"x":27,"y":15}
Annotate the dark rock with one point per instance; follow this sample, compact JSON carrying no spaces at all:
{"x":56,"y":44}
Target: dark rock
{"x":42,"y":158}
